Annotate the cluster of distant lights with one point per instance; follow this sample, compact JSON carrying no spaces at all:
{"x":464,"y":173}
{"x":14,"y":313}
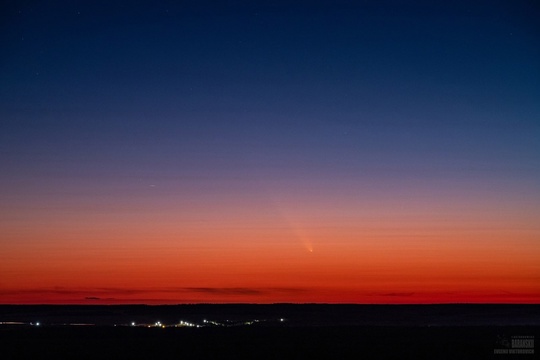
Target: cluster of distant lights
{"x":182,"y":323}
{"x":157,"y":324}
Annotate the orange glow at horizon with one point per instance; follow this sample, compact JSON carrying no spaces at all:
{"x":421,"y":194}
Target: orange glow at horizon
{"x":153,"y":259}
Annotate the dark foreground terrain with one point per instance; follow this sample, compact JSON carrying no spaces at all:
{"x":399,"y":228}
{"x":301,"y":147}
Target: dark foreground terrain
{"x":327,"y":342}
{"x":282,"y":331}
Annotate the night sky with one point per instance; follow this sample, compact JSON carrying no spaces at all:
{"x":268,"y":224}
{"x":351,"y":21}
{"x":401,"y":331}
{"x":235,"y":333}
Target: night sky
{"x":269,"y":151}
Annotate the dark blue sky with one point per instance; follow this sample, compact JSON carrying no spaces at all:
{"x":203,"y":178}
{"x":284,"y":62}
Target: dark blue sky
{"x":415,"y":89}
{"x":147,"y":88}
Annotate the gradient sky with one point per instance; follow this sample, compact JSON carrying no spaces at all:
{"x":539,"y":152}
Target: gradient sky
{"x":343,"y":152}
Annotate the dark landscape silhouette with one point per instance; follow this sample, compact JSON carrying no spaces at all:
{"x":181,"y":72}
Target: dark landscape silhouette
{"x":277,"y":331}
